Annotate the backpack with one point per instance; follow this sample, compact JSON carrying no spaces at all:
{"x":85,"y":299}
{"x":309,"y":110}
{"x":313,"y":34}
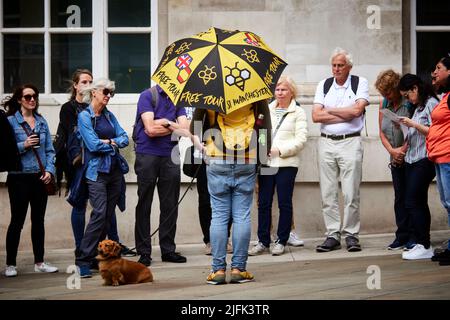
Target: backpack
{"x":138,"y":125}
{"x":236,"y":129}
{"x":353,"y":79}
{"x":64,"y":160}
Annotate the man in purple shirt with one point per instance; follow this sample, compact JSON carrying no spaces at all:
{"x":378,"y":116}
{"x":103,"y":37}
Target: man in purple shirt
{"x":157,"y":165}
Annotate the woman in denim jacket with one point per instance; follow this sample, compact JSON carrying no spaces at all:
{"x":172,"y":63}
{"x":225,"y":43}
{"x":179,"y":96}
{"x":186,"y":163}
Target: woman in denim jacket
{"x":104,"y":167}
{"x":26,"y":187}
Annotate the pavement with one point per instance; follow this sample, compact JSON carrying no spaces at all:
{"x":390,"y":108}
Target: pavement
{"x":375,"y":273}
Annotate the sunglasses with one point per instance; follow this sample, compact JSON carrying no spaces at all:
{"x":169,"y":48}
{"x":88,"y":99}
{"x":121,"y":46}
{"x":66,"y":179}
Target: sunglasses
{"x":28,"y":97}
{"x":107,"y":91}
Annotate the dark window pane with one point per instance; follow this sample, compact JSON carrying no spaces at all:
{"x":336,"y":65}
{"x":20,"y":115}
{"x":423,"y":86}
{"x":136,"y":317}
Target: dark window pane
{"x":71,"y":13}
{"x":23,"y":13}
{"x":134,"y":13}
{"x":433,"y":13}
{"x":129,"y":62}
{"x":23,"y":60}
{"x":69,"y":52}
{"x":431,"y":46}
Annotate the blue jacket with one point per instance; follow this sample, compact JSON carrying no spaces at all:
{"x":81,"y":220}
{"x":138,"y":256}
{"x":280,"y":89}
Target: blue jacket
{"x":46,"y":152}
{"x":97,"y":157}
{"x":100,"y":161}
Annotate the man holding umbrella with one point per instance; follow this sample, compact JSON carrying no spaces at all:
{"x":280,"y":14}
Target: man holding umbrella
{"x":158,"y":119}
{"x":228,"y":77}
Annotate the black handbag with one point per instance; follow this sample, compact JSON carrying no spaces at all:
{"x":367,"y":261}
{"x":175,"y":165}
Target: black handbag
{"x":191,"y":165}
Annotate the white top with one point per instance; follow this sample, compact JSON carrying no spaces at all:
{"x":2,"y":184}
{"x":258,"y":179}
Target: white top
{"x":291,"y":136}
{"x":340,"y":97}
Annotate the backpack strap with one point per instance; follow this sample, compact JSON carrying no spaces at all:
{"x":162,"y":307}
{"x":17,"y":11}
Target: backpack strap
{"x":354,"y":83}
{"x":327,"y":85}
{"x":354,"y":80}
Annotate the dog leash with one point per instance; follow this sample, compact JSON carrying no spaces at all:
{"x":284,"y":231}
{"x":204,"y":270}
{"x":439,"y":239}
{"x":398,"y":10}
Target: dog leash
{"x":189,"y":187}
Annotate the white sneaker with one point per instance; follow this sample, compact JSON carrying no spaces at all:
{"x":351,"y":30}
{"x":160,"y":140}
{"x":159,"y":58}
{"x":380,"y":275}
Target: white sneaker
{"x":278,"y":249}
{"x":45,"y":267}
{"x":258,"y":249}
{"x":11,"y":271}
{"x":294,"y":240}
{"x":417,"y":253}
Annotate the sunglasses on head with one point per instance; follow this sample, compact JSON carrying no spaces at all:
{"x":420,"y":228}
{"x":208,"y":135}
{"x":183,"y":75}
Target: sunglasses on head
{"x":107,"y":91}
{"x":28,"y":97}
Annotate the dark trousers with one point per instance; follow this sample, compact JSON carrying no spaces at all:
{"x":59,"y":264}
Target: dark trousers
{"x":418,"y":178}
{"x":284,"y":181}
{"x":160,"y":172}
{"x":24,"y":190}
{"x":404,"y":231}
{"x":204,"y":204}
{"x":103,"y":196}
{"x":78,"y":219}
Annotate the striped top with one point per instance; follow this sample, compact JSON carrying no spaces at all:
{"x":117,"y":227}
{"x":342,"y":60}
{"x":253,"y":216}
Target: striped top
{"x":417,"y":148}
{"x":279,"y":112}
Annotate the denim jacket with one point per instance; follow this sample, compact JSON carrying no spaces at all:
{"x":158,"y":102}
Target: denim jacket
{"x":46,"y":152}
{"x":101,"y":152}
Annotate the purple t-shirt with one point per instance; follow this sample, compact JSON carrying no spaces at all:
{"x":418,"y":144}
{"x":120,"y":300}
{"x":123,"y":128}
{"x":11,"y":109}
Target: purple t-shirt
{"x":157,"y":146}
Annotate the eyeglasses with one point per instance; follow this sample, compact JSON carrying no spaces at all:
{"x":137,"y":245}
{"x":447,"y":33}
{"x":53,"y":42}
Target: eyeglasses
{"x":107,"y":91}
{"x":28,"y":97}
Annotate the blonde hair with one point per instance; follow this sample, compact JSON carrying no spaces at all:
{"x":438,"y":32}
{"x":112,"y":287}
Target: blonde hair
{"x":290,"y":84}
{"x":387,"y":81}
{"x":101,"y":83}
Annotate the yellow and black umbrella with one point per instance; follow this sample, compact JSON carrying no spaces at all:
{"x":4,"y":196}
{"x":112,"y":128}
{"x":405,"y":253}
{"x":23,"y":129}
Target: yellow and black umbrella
{"x":219,"y":70}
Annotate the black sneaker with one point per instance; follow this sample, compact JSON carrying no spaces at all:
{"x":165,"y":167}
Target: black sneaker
{"x":328,"y":245}
{"x":441,"y":256}
{"x":173,"y":257}
{"x":145,"y":259}
{"x":352,"y":244}
{"x":127,"y":252}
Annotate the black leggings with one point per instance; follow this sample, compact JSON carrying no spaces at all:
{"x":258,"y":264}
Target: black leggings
{"x":24,"y":190}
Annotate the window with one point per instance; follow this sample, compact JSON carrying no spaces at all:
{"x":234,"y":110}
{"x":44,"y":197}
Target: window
{"x":430,"y":34}
{"x":45,"y":41}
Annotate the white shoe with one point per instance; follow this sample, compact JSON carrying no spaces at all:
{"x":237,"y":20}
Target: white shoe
{"x":11,"y":271}
{"x":258,"y":249}
{"x":45,"y":267}
{"x":417,"y":253}
{"x":294,"y":240}
{"x":278,"y":249}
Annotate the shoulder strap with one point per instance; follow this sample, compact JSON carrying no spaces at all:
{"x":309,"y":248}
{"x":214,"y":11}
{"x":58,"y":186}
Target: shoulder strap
{"x":41,"y":167}
{"x":354,"y":82}
{"x":155,"y":96}
{"x":279,"y":124}
{"x":353,"y":79}
{"x":327,"y":85}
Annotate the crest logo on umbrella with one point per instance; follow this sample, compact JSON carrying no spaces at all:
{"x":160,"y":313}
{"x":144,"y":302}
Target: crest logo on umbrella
{"x":182,"y":64}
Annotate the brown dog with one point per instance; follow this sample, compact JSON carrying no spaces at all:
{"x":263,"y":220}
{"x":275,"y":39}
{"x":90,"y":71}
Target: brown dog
{"x":116,"y":270}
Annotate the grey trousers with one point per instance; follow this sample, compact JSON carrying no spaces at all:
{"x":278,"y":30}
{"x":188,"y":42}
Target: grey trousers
{"x":103,"y":197}
{"x":160,"y":172}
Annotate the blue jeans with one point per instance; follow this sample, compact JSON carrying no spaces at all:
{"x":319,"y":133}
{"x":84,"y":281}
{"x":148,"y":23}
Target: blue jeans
{"x":284,"y":181}
{"x":231,"y":189}
{"x":443,"y":183}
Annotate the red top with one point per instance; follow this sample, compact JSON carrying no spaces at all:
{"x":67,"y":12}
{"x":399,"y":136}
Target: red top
{"x":438,"y":138}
